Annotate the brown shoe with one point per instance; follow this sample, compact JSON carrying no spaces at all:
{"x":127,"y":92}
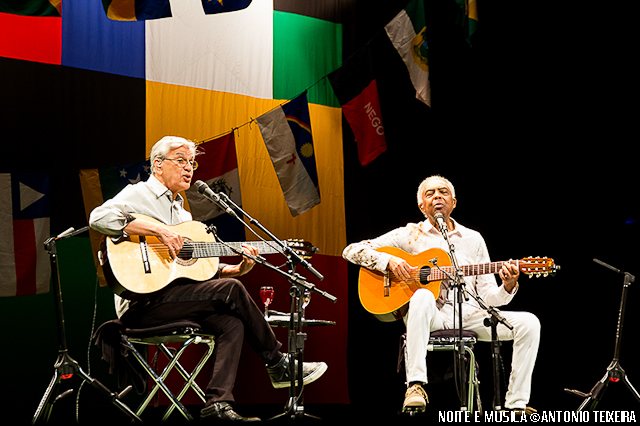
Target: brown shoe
{"x":223,"y":411}
{"x":528,"y":411}
{"x":415,"y":399}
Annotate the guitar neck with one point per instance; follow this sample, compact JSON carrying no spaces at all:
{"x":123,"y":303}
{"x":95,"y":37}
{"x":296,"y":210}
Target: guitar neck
{"x":467,"y":270}
{"x":204,"y":250}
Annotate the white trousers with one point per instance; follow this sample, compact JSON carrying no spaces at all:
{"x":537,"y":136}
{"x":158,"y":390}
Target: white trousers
{"x":424,"y":317}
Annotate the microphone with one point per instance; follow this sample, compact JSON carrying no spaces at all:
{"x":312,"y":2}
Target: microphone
{"x":442,"y":225}
{"x":204,"y":189}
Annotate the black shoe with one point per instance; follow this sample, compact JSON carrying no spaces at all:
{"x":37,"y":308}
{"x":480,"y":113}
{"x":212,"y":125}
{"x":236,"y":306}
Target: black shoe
{"x":279,"y":373}
{"x":223,"y":411}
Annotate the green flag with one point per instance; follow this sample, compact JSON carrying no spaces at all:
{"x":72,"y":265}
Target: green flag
{"x":408,"y":34}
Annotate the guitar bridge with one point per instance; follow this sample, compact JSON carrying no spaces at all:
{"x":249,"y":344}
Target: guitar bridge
{"x":145,"y":255}
{"x":387,"y":284}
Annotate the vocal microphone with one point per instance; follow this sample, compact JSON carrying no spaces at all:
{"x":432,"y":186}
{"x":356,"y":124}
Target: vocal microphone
{"x":204,"y":189}
{"x":71,"y":232}
{"x":65,"y":233}
{"x":442,"y":225}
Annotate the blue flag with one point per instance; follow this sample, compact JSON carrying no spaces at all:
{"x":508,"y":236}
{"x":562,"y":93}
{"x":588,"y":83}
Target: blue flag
{"x":219,"y":6}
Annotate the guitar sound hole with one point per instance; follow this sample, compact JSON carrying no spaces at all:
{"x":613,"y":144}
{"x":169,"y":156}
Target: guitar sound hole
{"x":424,"y":274}
{"x":185,"y":257}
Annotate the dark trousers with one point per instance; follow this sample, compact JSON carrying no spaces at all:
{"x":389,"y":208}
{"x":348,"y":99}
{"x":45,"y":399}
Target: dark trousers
{"x":222,"y":307}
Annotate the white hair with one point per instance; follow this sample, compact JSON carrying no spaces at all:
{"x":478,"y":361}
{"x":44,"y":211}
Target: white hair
{"x":166,"y":144}
{"x":425,"y":182}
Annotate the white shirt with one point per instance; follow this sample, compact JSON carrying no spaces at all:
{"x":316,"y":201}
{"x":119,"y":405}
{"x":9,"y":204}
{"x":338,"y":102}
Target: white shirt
{"x":470,"y":249}
{"x":150,"y":198}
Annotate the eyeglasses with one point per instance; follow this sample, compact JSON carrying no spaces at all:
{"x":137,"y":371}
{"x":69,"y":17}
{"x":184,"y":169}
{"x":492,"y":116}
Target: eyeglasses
{"x":182,"y":162}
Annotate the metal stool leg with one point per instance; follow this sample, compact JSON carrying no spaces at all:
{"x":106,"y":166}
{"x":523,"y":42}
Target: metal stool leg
{"x":190,"y":378}
{"x":473,"y":391}
{"x":473,"y":384}
{"x":159,"y":381}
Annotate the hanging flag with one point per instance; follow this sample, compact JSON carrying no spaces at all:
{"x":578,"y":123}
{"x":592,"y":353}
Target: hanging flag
{"x":24,"y":227}
{"x":99,"y":185}
{"x":142,"y":10}
{"x":356,"y":88}
{"x":468,"y":18}
{"x":218,"y":168}
{"x":136,"y":10}
{"x":31,"y":7}
{"x":287,"y":133}
{"x":408,"y":34}
{"x":220,"y":6}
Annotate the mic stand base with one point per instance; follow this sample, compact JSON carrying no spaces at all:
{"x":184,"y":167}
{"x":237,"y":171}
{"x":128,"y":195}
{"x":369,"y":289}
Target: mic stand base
{"x":64,"y":368}
{"x":492,"y":321}
{"x":615,"y":373}
{"x":495,"y":358}
{"x":294,"y":408}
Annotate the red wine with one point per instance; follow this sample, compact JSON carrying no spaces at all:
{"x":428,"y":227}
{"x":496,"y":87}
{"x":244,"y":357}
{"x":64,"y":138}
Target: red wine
{"x":266,"y":294}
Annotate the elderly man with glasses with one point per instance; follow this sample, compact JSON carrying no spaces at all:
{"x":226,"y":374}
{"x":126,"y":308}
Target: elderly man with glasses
{"x":221,"y":305}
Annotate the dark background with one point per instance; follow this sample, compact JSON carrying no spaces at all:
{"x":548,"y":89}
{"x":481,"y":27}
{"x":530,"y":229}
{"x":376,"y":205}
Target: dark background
{"x":533,"y":125}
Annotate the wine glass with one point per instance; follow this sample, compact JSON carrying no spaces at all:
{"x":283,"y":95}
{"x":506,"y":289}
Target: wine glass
{"x":306,"y":299}
{"x":266,"y":294}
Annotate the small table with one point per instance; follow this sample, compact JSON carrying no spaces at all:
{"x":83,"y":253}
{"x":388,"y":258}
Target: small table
{"x":281,"y":319}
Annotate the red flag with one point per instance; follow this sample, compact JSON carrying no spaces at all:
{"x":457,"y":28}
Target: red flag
{"x":363,"y":114}
{"x":357,"y":91}
{"x":218,"y":169}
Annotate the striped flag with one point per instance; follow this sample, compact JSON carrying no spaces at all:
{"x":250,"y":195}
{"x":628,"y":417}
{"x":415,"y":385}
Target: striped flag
{"x":408,"y":34}
{"x":25,"y":226}
{"x":287,"y":133}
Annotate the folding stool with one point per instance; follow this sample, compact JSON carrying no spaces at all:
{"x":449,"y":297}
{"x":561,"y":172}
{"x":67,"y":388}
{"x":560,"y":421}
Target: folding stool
{"x":184,"y":332}
{"x":445,"y":340}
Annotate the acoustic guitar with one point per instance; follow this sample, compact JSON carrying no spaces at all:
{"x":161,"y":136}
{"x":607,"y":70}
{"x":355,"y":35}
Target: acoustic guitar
{"x":137,"y":266}
{"x":386,"y":297}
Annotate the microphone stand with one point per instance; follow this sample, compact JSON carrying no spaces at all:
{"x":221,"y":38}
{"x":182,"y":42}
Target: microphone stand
{"x":65,"y":366}
{"x":494,"y":319}
{"x":615,"y":372}
{"x":458,"y":283}
{"x":294,"y":407}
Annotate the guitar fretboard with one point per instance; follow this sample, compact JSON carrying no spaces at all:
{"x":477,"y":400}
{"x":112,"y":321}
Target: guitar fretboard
{"x":442,"y":273}
{"x":204,"y":250}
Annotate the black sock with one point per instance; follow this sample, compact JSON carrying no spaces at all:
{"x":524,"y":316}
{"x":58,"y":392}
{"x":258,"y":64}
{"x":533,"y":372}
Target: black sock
{"x":276,"y":359}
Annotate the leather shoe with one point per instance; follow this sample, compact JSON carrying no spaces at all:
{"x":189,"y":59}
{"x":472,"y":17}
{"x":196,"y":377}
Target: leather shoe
{"x":223,"y":411}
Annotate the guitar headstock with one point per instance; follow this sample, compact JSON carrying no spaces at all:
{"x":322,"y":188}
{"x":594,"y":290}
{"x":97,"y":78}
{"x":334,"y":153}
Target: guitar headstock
{"x":303,"y":248}
{"x":538,"y":267}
